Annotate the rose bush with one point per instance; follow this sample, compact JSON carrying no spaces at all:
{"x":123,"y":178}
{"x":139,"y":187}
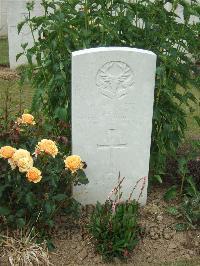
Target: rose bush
{"x":35,"y":180}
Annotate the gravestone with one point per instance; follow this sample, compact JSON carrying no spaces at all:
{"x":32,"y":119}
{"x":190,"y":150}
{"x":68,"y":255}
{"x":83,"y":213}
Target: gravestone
{"x":17,"y":13}
{"x":112,"y":107}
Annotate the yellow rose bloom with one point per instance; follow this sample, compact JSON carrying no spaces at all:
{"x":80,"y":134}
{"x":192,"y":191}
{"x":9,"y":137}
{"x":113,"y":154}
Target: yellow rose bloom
{"x":21,"y":153}
{"x":25,"y":164}
{"x":7,"y":152}
{"x":34,"y":175}
{"x":23,"y":160}
{"x":27,"y":119}
{"x":73,"y":163}
{"x":48,"y":146}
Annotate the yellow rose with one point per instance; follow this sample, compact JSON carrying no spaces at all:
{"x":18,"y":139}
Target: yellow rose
{"x":7,"y":152}
{"x":27,"y":119}
{"x":73,"y":163}
{"x":23,"y":160}
{"x":34,"y":175}
{"x":25,"y":164}
{"x":48,"y":146}
{"x":21,"y":153}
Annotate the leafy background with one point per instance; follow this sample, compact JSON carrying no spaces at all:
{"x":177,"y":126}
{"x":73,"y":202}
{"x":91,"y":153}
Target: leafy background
{"x":67,"y":26}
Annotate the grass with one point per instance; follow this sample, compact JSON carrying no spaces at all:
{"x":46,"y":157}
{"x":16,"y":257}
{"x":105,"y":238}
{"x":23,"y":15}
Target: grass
{"x":17,"y":98}
{"x":193,"y":128}
{"x":4,"y":51}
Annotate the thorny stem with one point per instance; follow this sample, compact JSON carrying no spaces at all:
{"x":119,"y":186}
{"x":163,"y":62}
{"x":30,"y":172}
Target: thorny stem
{"x":143,"y":184}
{"x":117,"y":188}
{"x":34,"y":41}
{"x":142,"y":188}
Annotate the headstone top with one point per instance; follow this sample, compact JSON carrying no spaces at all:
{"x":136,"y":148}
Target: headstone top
{"x":112,"y":48}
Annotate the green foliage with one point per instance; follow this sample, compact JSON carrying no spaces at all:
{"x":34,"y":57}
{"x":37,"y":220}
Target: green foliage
{"x":186,"y":167}
{"x":114,"y":225}
{"x":67,"y":26}
{"x":183,"y":162}
{"x":189,"y":208}
{"x":171,"y":193}
{"x":116,"y":234}
{"x":25,"y":203}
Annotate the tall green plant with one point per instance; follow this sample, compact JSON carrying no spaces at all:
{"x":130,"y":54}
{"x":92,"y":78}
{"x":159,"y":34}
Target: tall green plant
{"x":69,"y":25}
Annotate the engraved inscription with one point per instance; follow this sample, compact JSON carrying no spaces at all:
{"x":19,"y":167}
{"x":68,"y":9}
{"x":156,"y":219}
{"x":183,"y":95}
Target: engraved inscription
{"x":111,"y":144}
{"x":114,"y":79}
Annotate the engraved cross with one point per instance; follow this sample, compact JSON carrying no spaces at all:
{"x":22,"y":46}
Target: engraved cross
{"x":111,"y":145}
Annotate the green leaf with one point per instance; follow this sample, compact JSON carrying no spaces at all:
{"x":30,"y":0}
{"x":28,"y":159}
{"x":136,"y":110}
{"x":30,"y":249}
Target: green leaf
{"x":50,"y":245}
{"x":181,"y":227}
{"x":48,"y":127}
{"x":192,"y":186}
{"x":197,"y":118}
{"x":30,"y":199}
{"x":158,"y":178}
{"x":60,"y":197}
{"x":4,"y":211}
{"x":160,"y":70}
{"x":61,"y":113}
{"x":18,"y":56}
{"x":173,"y":211}
{"x":20,"y":26}
{"x":171,"y":193}
{"x":2,"y":189}
{"x":81,"y":177}
{"x":24,"y":45}
{"x":50,"y":223}
{"x":48,"y":207}
{"x":20,"y":222}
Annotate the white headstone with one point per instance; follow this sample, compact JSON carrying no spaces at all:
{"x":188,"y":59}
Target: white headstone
{"x":17,"y":12}
{"x":112,"y":107}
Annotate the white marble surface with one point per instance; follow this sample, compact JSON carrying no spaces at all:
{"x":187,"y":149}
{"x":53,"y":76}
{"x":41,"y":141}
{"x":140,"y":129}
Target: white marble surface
{"x":112,"y":106}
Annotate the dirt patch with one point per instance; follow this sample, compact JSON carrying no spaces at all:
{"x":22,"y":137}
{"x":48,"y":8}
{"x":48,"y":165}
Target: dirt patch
{"x":159,"y":244}
{"x":8,"y":74}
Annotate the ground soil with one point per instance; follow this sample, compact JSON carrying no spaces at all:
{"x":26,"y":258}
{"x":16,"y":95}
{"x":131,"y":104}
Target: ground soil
{"x":159,"y":244}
